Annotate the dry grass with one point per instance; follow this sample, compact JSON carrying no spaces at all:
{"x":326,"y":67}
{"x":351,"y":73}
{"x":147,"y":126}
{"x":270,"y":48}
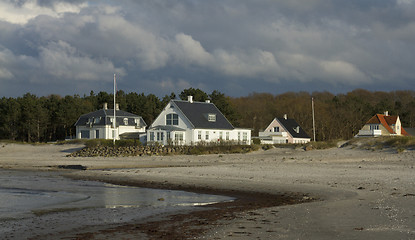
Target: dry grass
{"x":398,"y":143}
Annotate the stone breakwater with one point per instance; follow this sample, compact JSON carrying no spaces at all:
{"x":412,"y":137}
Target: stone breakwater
{"x":105,"y":151}
{"x":130,"y":151}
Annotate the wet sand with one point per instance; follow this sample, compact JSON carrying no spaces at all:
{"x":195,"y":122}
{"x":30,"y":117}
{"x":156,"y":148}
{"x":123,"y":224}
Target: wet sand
{"x":361,"y":194}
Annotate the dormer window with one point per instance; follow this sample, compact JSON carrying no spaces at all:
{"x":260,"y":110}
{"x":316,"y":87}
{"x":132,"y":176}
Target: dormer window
{"x":172,"y":119}
{"x":211,"y":117}
{"x":125,"y":121}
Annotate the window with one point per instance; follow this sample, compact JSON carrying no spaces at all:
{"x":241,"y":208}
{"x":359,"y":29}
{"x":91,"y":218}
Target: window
{"x":178,"y":136}
{"x":199,"y":135}
{"x":239,"y":136}
{"x":212,"y":117}
{"x":158,"y":136}
{"x":111,"y":119}
{"x":85,"y":134}
{"x":207,"y":135}
{"x":172,"y":119}
{"x":125,"y":121}
{"x":96,"y":133}
{"x":97,"y":120}
{"x":276,"y":129}
{"x":245,"y":136}
{"x":220,"y":135}
{"x":227,"y":136}
{"x":151,"y":136}
{"x":374,"y":127}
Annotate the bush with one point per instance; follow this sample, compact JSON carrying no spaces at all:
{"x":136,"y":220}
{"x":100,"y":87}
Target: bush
{"x":128,"y":143}
{"x":256,"y":141}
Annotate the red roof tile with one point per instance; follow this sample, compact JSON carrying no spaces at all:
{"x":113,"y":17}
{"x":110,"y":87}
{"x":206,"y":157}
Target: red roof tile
{"x":386,"y":121}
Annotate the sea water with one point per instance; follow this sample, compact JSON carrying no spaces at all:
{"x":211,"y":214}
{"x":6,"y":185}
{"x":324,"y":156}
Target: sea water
{"x":30,"y":200}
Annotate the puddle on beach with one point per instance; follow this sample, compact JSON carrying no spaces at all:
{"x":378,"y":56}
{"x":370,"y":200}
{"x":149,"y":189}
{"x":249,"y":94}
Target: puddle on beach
{"x":26,"y":194}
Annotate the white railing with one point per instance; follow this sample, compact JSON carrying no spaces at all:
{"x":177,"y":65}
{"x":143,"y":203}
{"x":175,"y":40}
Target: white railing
{"x":268,"y":134}
{"x":370,"y":132}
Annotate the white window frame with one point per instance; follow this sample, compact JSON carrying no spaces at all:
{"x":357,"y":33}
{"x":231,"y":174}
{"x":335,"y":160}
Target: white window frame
{"x":212,"y":117}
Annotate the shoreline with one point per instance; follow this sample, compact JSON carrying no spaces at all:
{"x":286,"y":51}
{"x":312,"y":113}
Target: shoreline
{"x":193,"y":223}
{"x":365,"y":194}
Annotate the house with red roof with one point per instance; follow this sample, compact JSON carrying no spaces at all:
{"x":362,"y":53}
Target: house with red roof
{"x":382,"y":125}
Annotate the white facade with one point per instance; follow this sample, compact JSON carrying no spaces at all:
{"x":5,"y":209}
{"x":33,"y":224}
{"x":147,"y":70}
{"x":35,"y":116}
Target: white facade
{"x":172,"y":126}
{"x":283,"y":130}
{"x":105,"y":132}
{"x":100,"y":125}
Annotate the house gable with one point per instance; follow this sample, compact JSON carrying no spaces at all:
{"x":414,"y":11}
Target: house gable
{"x":388,"y":124}
{"x":171,"y":108}
{"x":293,"y":128}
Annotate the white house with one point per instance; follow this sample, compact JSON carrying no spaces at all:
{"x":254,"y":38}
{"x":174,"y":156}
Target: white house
{"x":99,"y":124}
{"x":283,"y":130}
{"x":191,"y":123}
{"x":382,"y":125}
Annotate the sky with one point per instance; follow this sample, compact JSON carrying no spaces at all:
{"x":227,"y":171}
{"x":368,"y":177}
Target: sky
{"x":234,"y":46}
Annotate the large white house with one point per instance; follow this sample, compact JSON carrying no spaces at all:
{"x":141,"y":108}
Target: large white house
{"x":192,"y":123}
{"x":99,"y":124}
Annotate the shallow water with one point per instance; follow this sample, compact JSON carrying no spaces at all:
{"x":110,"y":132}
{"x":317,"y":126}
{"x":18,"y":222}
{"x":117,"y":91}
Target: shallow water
{"x":22,"y":193}
{"x":30,"y":199}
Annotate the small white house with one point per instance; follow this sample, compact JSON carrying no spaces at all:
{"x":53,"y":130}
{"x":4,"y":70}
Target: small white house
{"x":283,"y":130}
{"x":99,"y":124}
{"x":192,"y":123}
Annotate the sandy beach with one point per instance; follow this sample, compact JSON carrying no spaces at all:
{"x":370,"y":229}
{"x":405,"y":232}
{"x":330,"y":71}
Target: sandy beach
{"x":357,"y":194}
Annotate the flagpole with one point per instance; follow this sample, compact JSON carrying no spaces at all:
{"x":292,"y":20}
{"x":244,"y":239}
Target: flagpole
{"x":314,"y":125}
{"x":115,"y":119}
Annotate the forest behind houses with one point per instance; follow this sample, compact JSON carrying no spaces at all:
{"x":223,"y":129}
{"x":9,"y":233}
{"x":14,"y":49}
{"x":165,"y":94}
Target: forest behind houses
{"x":31,"y":118}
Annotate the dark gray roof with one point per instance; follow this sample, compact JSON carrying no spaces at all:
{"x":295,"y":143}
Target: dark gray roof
{"x":103,"y":116}
{"x":291,"y":125}
{"x":197,"y":113}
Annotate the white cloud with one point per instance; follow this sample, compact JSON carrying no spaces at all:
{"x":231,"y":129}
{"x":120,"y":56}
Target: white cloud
{"x":255,"y":63}
{"x":191,"y":51}
{"x":340,"y":71}
{"x":30,"y":9}
{"x":64,"y":62}
{"x":307,"y":69}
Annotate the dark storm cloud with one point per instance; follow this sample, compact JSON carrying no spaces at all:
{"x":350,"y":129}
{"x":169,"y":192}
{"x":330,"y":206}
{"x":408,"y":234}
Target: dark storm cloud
{"x":234,"y":46}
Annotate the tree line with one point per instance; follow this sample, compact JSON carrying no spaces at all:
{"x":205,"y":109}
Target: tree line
{"x":49,"y":118}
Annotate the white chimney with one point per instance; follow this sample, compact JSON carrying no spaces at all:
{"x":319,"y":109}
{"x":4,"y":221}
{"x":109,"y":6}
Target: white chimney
{"x":117,"y":106}
{"x":105,"y":106}
{"x":207,"y":101}
{"x":386,"y":113}
{"x":190,"y":99}
{"x":285,"y":116}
